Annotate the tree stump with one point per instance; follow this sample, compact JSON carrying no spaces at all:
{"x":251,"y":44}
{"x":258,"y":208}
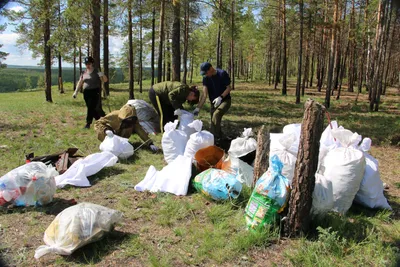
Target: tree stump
{"x":303,"y":183}
{"x":261,"y":162}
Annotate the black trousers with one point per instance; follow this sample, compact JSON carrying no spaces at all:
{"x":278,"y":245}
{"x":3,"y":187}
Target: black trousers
{"x":166,"y":108}
{"x":93,"y":103}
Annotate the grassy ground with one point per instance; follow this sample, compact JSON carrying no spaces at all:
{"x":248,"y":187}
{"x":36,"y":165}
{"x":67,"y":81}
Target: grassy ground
{"x":166,"y":230}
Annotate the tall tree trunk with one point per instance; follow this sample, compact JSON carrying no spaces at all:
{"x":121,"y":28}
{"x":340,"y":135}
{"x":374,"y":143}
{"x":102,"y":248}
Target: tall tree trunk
{"x":160,"y":47}
{"x":131,"y":57}
{"x":191,"y":65}
{"x":300,"y":53}
{"x":303,"y":183}
{"x":106,"y":56}
{"x":284,"y":70}
{"x":362,"y":66}
{"x":186,"y":42}
{"x":153,"y":43}
{"x":176,"y":46}
{"x":352,"y":48}
{"x":168,"y":58}
{"x":96,"y":40}
{"x":332,"y":56}
{"x":140,"y":47}
{"x":312,"y":61}
{"x":74,"y":59}
{"x":232,"y":44}
{"x":390,"y":52}
{"x":278,"y":51}
{"x":60,"y":81}
{"x":47,"y":55}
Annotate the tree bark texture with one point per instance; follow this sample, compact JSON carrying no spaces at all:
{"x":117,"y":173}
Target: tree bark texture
{"x":96,"y":33}
{"x":131,"y":57}
{"x":261,"y":162}
{"x":161,"y":41}
{"x":47,"y":56}
{"x":176,"y":46}
{"x":153,"y":43}
{"x":303,"y":183}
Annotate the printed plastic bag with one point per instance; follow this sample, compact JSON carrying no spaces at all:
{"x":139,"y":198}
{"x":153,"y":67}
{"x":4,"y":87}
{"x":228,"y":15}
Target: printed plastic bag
{"x":117,"y":145}
{"x":198,"y":140}
{"x":269,"y":197}
{"x":173,"y":141}
{"x":344,"y":166}
{"x":322,"y":195}
{"x":28,"y":185}
{"x":370,"y":193}
{"x":81,"y":169}
{"x":243,"y":145}
{"x":217,"y":184}
{"x":77,"y":226}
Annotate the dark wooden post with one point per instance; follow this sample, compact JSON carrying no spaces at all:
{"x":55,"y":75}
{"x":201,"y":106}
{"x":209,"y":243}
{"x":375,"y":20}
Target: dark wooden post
{"x":303,"y":183}
{"x":261,"y":162}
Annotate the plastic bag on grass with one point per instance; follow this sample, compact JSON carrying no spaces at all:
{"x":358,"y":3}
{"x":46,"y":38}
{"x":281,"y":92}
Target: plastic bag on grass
{"x":117,"y":145}
{"x":269,"y":197}
{"x":198,"y":140}
{"x":244,"y":172}
{"x":28,"y":185}
{"x":217,"y":184}
{"x":147,"y":116}
{"x":370,"y":193}
{"x":77,"y":226}
{"x":173,"y":141}
{"x":79,"y":171}
{"x":243,"y":145}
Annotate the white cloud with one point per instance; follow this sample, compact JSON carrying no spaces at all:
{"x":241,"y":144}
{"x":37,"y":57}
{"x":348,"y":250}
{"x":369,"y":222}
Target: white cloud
{"x":16,"y":8}
{"x":8,"y":38}
{"x":116,"y":44}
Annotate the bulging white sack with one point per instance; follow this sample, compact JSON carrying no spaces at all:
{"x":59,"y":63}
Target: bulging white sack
{"x":344,"y":166}
{"x":185,"y":119}
{"x":198,"y":140}
{"x":370,"y":193}
{"x":173,"y":141}
{"x":282,"y":146}
{"x":117,"y":145}
{"x":147,"y":116}
{"x":322,"y":195}
{"x":243,"y":145}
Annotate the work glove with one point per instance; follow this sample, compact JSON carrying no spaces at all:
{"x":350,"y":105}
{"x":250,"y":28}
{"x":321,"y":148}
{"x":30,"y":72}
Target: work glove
{"x":196,"y":112}
{"x":153,"y":148}
{"x":74,"y":95}
{"x":178,"y":112}
{"x":109,"y":133}
{"x":217,"y":101}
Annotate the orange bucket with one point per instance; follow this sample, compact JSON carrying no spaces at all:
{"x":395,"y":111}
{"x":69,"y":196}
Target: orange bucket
{"x":209,"y":157}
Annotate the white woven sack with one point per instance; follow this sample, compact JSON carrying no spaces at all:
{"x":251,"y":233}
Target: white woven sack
{"x":322,"y":195}
{"x":370,"y":193}
{"x":281,"y":145}
{"x":243,"y":145}
{"x":117,"y":145}
{"x":184,"y":120}
{"x":295,"y":129}
{"x":198,"y":140}
{"x":344,"y":167}
{"x":173,"y":141}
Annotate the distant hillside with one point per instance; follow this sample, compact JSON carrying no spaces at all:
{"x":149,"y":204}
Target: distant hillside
{"x":15,"y":78}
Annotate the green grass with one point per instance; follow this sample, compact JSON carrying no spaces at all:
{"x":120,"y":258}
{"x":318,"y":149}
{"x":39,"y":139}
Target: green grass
{"x":167,"y":230}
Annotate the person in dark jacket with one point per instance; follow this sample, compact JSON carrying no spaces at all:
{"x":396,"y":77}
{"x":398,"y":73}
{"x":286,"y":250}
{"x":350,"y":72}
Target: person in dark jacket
{"x":217,"y":86}
{"x":124,"y":123}
{"x":168,"y":98}
{"x":90,"y":81}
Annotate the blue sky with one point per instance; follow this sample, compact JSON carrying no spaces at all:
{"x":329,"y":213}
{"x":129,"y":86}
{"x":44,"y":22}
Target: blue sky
{"x":23,"y":57}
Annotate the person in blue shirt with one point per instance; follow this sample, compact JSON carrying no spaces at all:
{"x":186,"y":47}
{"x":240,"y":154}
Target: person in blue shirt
{"x":217,"y":86}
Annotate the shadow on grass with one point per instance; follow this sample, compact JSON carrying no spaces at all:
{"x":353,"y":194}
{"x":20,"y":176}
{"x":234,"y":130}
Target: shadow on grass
{"x":53,"y":208}
{"x":105,"y":173}
{"x":95,"y":252}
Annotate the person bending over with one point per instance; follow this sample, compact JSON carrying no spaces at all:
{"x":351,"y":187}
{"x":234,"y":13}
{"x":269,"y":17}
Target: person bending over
{"x":168,"y":98}
{"x":124,"y":123}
